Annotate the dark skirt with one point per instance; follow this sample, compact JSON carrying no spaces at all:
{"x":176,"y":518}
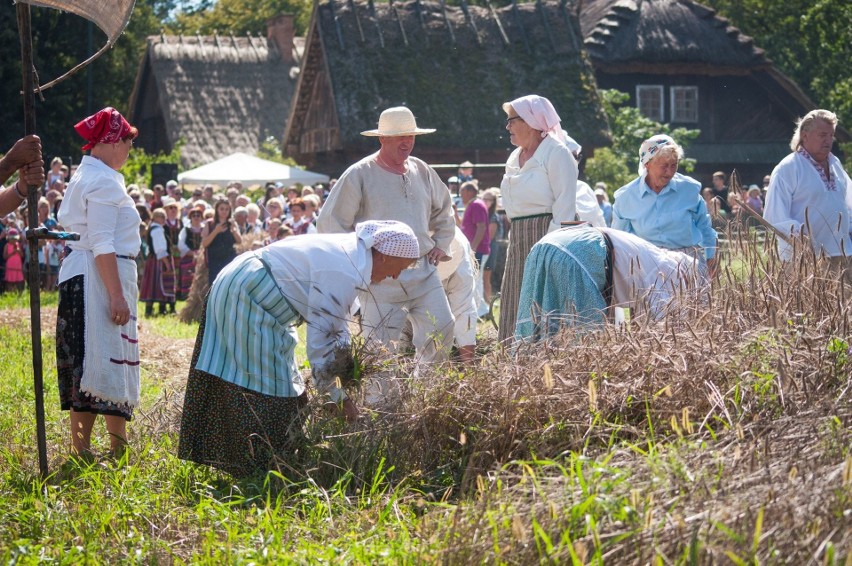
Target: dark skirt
{"x":524,"y":234}
{"x":70,"y":351}
{"x":158,"y":285}
{"x":232,"y":428}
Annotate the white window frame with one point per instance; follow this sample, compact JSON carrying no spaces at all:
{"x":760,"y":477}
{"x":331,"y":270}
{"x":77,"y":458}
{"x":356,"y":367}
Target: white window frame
{"x":675,"y":118}
{"x":640,"y":89}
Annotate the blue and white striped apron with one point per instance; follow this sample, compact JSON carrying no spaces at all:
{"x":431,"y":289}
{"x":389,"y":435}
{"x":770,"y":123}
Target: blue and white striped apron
{"x":250,"y":335}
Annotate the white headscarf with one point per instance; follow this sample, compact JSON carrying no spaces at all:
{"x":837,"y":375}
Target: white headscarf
{"x":389,"y":237}
{"x":651,"y":147}
{"x":539,"y":114}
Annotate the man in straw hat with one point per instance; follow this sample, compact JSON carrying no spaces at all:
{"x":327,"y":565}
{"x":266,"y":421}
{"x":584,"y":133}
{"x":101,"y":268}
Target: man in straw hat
{"x":392,"y":185}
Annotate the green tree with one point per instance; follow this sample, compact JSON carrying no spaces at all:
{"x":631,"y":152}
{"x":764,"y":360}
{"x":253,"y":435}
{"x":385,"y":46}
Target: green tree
{"x":240,"y":17}
{"x":617,"y":165}
{"x":137,"y":169}
{"x":270,"y":150}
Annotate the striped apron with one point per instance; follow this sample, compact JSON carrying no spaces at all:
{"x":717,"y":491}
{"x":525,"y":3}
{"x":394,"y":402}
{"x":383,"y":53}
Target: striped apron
{"x":250,"y":335}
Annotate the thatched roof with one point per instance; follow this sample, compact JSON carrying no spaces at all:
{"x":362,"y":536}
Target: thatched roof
{"x":453,"y":66}
{"x":220,"y":94}
{"x":623,"y":34}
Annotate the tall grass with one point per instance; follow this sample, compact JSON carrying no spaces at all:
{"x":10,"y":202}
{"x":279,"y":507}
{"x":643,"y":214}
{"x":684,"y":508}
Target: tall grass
{"x":723,"y":435}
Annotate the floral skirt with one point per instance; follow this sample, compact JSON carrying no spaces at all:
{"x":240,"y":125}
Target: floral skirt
{"x":70,"y":352}
{"x":232,"y":428}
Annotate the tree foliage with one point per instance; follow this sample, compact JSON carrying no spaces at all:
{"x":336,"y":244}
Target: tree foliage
{"x":809,"y":40}
{"x":137,"y":169}
{"x":616,"y":166}
{"x":240,"y":17}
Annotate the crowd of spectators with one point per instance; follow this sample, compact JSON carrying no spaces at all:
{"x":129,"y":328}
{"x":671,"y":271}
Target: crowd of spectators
{"x":177,"y":224}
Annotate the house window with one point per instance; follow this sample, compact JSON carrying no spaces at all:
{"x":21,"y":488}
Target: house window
{"x":649,"y":101}
{"x":684,"y":104}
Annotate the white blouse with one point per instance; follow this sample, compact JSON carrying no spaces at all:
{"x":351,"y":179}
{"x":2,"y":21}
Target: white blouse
{"x":546,"y":184}
{"x":96,"y":206}
{"x":796,"y":189}
{"x":321,"y":276}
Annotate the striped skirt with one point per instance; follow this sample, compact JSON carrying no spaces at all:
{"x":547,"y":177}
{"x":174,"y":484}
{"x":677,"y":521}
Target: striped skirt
{"x":187,"y":274}
{"x":235,"y":429}
{"x":524,"y":234}
{"x":158,"y":285}
{"x":564,"y":283}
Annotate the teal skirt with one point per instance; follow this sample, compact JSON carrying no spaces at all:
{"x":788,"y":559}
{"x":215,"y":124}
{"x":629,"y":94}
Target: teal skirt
{"x":563,"y":285}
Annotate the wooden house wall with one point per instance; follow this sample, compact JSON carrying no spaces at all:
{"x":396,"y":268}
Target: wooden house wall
{"x":320,"y":130}
{"x":742,"y":124}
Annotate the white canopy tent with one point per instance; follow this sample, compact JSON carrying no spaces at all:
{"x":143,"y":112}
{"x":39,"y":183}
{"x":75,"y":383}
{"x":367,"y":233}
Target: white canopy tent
{"x":248,"y":170}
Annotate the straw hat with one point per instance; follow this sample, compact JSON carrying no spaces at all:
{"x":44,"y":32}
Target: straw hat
{"x":397,"y":121}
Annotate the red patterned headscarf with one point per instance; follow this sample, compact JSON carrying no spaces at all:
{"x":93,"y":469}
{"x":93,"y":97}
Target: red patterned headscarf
{"x":105,"y":126}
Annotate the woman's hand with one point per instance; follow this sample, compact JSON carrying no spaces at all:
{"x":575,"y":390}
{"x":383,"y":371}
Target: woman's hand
{"x":119,"y":311}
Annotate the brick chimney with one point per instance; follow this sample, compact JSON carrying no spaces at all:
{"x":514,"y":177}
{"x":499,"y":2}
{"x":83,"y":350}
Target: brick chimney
{"x":280,"y":31}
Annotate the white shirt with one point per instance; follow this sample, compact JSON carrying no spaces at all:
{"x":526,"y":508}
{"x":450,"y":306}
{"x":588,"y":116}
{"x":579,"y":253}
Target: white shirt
{"x":588,"y":208}
{"x":459,"y":283}
{"x":158,"y":240}
{"x":96,"y":206}
{"x":645,"y":275}
{"x":796,"y":187}
{"x":547,"y":183}
{"x":419,"y":198}
{"x":321,"y":276}
{"x":182,"y":245}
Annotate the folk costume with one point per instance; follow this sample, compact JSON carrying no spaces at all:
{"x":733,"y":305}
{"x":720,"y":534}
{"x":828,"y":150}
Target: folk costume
{"x":800,"y":192}
{"x":675,"y":218}
{"x":575,"y":274}
{"x":158,"y":282}
{"x":189,"y":242}
{"x":245,"y":392}
{"x":97,"y":360}
{"x":418,"y":198}
{"x":537,"y":197}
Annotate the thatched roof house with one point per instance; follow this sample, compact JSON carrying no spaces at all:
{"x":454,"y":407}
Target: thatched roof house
{"x":453,"y":66}
{"x":685,"y":65}
{"x":219,"y":94}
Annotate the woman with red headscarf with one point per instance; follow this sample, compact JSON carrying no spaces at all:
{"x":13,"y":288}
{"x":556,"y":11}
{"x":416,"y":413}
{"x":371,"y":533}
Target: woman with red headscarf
{"x":97,"y":351}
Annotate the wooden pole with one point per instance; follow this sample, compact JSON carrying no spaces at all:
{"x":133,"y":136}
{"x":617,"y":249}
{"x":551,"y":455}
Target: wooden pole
{"x":737,"y":188}
{"x":33,"y":277}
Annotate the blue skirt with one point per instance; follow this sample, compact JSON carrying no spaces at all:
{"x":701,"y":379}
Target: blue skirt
{"x":564,"y":280}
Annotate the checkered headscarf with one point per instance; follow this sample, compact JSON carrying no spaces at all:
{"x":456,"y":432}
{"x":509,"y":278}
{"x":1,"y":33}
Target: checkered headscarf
{"x":651,"y":147}
{"x":389,"y":237}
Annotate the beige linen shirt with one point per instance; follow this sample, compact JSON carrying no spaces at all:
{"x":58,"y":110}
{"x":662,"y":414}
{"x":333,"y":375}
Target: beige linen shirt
{"x":418,"y":198}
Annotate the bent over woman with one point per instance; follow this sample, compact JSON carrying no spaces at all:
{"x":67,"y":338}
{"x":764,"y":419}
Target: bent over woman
{"x":245,"y":393}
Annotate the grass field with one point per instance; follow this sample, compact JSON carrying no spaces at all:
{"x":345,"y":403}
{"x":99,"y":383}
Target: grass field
{"x":722,"y":436}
